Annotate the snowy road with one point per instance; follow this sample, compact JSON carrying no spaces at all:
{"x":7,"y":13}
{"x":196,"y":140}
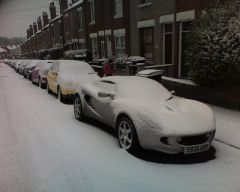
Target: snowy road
{"x":44,"y":149}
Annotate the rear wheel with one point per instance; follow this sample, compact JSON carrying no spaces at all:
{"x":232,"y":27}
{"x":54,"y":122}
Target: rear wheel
{"x":59,"y":95}
{"x":48,"y":89}
{"x":40,"y":83}
{"x":77,"y":106}
{"x":127,"y":136}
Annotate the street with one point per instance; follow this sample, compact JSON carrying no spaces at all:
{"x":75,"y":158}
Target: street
{"x":43,"y":148}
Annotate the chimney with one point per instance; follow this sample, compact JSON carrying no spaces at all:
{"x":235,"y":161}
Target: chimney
{"x":34,"y":27}
{"x":63,"y":5}
{"x":39,"y":23}
{"x":30,"y":30}
{"x":45,"y":18}
{"x":28,"y":33}
{"x":53,"y":12}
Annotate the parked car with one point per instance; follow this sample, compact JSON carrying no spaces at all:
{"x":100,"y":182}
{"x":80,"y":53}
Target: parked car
{"x":146,"y":115}
{"x":17,"y":65}
{"x":23,"y":65}
{"x":65,"y":75}
{"x":39,"y":73}
{"x":27,"y":71}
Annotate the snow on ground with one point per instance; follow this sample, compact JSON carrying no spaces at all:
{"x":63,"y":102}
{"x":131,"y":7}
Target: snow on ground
{"x":44,"y":149}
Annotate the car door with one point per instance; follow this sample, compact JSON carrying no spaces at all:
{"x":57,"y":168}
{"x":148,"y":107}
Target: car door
{"x":52,"y":77}
{"x":102,"y":105}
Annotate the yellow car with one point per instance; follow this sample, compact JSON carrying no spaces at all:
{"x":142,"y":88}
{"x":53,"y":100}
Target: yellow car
{"x":66,"y":75}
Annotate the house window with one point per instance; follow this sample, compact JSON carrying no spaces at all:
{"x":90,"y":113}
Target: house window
{"x":145,"y":1}
{"x":167,"y":43}
{"x":80,"y":19}
{"x":147,"y":43}
{"x":120,"y":45}
{"x":92,"y":11}
{"x":118,"y":8}
{"x":94,"y":47}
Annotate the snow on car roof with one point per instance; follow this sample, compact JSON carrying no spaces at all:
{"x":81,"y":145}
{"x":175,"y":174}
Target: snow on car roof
{"x":73,"y":66}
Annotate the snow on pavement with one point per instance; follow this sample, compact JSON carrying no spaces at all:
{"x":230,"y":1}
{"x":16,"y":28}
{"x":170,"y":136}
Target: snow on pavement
{"x":44,"y":149}
{"x":228,"y":126}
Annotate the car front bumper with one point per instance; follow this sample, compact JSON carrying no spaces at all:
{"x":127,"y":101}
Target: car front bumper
{"x":175,"y":144}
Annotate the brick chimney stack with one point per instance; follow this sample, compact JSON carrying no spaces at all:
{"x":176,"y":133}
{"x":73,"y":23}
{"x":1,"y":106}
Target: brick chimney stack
{"x":39,"y":23}
{"x":28,"y":33}
{"x":30,"y":30}
{"x":63,"y":5}
{"x":34,"y":27}
{"x":53,"y":12}
{"x":45,"y":18}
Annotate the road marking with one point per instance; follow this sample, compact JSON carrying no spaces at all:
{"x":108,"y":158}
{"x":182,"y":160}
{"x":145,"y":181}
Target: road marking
{"x":226,"y":143}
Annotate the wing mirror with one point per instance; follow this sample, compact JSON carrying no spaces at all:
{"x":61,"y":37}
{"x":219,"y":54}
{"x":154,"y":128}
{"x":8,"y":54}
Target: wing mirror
{"x":173,"y":92}
{"x":54,"y":73}
{"x":105,"y":95}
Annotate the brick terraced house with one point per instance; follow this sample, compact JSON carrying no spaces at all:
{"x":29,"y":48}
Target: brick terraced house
{"x":155,"y":29}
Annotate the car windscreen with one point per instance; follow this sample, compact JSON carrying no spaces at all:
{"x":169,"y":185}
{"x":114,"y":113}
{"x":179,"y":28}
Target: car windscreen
{"x":147,"y":90}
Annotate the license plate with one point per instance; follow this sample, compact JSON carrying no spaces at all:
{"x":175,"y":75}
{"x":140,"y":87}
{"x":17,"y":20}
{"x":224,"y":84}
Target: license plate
{"x":196,"y":148}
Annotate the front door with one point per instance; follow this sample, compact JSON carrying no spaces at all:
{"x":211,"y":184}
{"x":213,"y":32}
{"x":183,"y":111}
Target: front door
{"x":185,"y":39}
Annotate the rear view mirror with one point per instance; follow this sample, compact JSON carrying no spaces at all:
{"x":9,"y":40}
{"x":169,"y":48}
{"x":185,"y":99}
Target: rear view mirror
{"x":54,"y":73}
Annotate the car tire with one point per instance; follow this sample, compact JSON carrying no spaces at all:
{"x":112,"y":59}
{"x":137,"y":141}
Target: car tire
{"x":40,"y":83}
{"x":77,"y":107}
{"x":127,"y":135}
{"x":48,"y":89}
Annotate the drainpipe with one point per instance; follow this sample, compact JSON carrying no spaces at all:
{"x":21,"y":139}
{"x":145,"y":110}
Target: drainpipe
{"x":175,"y":44}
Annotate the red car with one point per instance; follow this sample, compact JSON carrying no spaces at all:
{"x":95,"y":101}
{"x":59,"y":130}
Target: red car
{"x":39,"y":74}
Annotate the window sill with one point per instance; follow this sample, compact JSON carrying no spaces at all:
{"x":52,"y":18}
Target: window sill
{"x":92,"y":23}
{"x":118,"y":16}
{"x":145,"y":4}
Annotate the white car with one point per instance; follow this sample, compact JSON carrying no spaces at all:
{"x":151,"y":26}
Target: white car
{"x":147,"y":115}
{"x":66,"y":75}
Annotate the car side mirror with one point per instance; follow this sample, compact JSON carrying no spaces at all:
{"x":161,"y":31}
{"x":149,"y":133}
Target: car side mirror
{"x":54,"y":73}
{"x":173,"y":92}
{"x":105,"y":95}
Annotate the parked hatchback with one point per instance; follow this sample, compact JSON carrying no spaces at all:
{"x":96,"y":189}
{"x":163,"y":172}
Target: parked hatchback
{"x":66,"y":75}
{"x":39,"y":74}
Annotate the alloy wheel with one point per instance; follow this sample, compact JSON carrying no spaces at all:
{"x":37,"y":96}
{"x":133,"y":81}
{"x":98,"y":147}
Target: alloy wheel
{"x":125,"y":135}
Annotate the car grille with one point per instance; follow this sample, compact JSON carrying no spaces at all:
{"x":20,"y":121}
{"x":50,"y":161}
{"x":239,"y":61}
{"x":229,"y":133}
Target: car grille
{"x":195,"y":140}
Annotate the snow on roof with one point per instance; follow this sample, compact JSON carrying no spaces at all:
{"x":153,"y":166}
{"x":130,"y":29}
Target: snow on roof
{"x":74,"y":5}
{"x":56,"y":18}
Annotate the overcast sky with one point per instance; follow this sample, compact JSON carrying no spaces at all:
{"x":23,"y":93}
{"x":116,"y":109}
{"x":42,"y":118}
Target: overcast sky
{"x":17,"y":15}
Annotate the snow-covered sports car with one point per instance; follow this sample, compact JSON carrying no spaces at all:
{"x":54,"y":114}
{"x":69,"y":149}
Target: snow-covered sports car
{"x":147,"y":115}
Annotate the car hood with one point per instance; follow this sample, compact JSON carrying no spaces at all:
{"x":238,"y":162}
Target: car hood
{"x":178,"y":116}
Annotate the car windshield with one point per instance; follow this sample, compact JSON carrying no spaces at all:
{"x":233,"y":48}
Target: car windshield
{"x":143,"y":89}
{"x":75,"y":67}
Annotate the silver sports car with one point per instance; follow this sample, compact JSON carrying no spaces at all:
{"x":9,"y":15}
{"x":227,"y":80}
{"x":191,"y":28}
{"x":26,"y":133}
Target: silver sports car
{"x":147,"y":115}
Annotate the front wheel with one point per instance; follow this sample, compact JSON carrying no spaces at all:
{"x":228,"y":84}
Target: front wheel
{"x":127,"y":136}
{"x":77,"y":106}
